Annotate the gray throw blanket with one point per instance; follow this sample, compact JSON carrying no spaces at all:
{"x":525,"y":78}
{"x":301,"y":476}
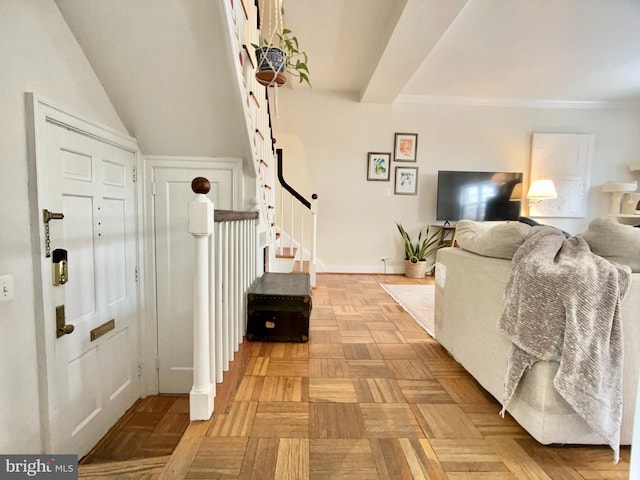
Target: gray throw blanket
{"x":562,"y":303}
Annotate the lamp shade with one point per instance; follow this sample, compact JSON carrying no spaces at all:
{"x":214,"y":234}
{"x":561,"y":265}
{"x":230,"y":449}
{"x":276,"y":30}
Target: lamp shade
{"x":516,"y":193}
{"x":542,"y":190}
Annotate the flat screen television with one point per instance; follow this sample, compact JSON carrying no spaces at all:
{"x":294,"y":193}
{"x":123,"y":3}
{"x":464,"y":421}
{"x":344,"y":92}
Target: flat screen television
{"x":480,"y":196}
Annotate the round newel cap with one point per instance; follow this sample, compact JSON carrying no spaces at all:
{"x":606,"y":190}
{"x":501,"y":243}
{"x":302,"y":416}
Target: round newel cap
{"x":200,"y":185}
{"x":314,"y":196}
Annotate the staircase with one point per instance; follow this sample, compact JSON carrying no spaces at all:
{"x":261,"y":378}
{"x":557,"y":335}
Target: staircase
{"x":292,"y":254}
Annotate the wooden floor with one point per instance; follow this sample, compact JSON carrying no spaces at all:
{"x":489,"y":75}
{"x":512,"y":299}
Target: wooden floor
{"x":371,"y":396}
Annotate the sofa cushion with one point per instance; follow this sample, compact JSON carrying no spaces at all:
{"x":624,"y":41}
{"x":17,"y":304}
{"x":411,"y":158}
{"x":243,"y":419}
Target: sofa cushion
{"x":614,"y":241}
{"x":498,"y":240}
{"x":535,"y":223}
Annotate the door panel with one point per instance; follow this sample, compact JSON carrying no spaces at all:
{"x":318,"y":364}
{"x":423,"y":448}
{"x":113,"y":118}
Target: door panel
{"x":92,"y":382}
{"x":78,"y":237}
{"x":174,"y":268}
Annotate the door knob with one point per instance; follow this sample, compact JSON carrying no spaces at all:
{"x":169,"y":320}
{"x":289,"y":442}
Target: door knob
{"x":65,"y":329}
{"x":62,"y":328}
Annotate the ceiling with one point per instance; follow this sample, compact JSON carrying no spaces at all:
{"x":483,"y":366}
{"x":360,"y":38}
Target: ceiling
{"x":164,"y":63}
{"x":160,"y":63}
{"x":472,"y":50}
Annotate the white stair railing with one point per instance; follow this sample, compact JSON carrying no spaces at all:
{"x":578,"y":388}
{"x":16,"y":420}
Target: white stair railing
{"x":224,"y":270}
{"x":304,"y":252}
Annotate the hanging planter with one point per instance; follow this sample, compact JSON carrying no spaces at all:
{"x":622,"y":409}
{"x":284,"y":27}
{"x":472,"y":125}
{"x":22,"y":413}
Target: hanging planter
{"x":271,"y":66}
{"x":276,"y":60}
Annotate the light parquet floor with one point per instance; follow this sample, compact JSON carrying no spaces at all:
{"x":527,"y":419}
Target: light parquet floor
{"x":371,"y":396}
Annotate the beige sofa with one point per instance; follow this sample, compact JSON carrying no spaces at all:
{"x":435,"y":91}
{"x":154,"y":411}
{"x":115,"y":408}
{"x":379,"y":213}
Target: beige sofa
{"x":468,"y":303}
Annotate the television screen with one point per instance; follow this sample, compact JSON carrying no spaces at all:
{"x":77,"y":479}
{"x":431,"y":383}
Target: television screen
{"x":490,"y":196}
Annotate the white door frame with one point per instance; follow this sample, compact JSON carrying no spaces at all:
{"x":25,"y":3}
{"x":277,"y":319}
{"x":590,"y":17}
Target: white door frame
{"x":40,"y":112}
{"x":151,"y":163}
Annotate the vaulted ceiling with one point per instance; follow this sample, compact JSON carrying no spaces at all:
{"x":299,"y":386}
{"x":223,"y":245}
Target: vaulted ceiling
{"x":480,"y":50}
{"x":160,"y":60}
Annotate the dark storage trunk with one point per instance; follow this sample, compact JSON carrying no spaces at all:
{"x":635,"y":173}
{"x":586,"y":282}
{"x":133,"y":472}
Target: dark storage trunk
{"x":279,"y":307}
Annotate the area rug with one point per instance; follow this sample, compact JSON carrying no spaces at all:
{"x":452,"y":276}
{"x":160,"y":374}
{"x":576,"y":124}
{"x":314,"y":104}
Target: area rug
{"x":417,"y":300}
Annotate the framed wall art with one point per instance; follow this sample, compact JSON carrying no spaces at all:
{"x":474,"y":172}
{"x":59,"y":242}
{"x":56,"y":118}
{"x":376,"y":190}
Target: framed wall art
{"x":406,"y":182}
{"x":379,"y":166}
{"x":406,"y":147}
{"x":564,"y":158}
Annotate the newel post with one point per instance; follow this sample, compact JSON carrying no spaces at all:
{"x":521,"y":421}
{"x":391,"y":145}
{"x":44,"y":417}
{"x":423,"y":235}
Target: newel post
{"x":314,"y":239}
{"x":201,"y":227}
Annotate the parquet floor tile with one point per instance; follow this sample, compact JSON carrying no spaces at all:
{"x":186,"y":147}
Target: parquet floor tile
{"x":286,"y":367}
{"x":371,"y":396}
{"x":362,"y":351}
{"x":369,"y":368}
{"x":406,"y":458}
{"x":390,"y":420}
{"x":341,"y":459}
{"x":445,"y":421}
{"x":424,"y":391}
{"x":218,"y":457}
{"x":378,"y":390}
{"x":328,"y":367}
{"x":332,"y":390}
{"x":281,"y":420}
{"x":328,"y":350}
{"x":409,"y":369}
{"x":396,"y":351}
{"x":336,"y":420}
{"x":236,"y":423}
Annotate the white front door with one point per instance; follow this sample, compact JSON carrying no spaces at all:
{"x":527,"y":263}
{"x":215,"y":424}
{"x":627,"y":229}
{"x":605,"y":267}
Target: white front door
{"x":174,"y":267}
{"x":92,"y":372}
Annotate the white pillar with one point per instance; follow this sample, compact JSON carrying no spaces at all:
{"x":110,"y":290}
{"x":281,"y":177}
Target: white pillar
{"x":201,"y":227}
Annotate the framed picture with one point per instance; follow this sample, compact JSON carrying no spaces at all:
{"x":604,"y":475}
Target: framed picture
{"x":406,"y":147}
{"x":564,"y":158}
{"x":406,"y":181}
{"x":379,"y":166}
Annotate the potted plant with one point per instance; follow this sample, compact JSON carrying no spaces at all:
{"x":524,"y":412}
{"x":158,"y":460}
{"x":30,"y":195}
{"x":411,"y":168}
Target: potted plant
{"x":274,"y":60}
{"x":415,"y":254}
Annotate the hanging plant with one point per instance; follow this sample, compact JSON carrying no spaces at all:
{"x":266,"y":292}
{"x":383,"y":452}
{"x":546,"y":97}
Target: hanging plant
{"x":279,"y":51}
{"x":274,"y":60}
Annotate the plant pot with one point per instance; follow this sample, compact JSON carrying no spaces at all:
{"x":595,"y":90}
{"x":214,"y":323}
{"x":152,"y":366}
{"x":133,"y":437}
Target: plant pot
{"x":415,"y":270}
{"x":271,"y":63}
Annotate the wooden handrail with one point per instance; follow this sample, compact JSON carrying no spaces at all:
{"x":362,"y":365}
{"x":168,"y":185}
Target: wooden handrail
{"x":231,"y":215}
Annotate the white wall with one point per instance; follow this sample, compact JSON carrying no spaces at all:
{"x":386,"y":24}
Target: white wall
{"x":326,"y":137}
{"x":39,"y":54}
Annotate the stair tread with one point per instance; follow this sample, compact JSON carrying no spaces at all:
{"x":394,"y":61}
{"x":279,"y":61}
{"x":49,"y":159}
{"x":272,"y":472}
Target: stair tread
{"x":286,"y":252}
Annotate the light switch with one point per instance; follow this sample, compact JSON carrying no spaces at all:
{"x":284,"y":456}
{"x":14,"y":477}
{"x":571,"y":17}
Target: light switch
{"x":6,"y":288}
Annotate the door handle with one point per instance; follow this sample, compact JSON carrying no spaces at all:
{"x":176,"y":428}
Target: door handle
{"x":62,"y":328}
{"x":66,"y":329}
